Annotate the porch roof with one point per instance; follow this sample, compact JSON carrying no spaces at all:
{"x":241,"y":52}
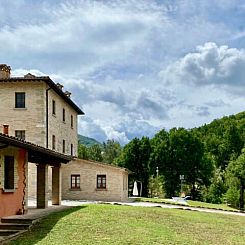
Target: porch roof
{"x":36,"y":153}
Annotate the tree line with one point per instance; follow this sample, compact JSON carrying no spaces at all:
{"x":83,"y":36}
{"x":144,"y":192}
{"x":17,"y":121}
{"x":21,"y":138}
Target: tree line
{"x":210,"y":160}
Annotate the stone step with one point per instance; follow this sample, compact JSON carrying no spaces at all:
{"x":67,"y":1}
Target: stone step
{"x":13,"y":226}
{"x":16,"y":221}
{"x":8,"y":232}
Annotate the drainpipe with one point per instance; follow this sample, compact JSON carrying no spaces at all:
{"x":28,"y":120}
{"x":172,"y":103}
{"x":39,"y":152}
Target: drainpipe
{"x":47,"y":117}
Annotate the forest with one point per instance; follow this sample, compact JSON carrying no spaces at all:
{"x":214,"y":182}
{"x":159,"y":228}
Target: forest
{"x":207,"y":163}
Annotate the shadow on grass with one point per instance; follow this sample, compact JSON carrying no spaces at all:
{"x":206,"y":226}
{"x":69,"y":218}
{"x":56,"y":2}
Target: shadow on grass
{"x":42,"y":229}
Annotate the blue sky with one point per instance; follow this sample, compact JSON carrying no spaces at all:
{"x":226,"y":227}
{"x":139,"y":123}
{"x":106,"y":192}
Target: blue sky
{"x":134,"y":66}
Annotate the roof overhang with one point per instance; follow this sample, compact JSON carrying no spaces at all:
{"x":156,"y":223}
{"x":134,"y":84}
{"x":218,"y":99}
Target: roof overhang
{"x":36,"y":154}
{"x":50,"y":83}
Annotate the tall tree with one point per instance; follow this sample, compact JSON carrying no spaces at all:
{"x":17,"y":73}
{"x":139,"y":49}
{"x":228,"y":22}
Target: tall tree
{"x":237,"y":169}
{"x":135,"y":156}
{"x":176,"y":153}
{"x":94,"y":153}
{"x":110,"y":151}
{"x":83,"y":152}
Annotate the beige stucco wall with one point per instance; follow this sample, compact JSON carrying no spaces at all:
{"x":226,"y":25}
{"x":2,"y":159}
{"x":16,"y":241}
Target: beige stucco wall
{"x":116,"y":181}
{"x":32,"y":118}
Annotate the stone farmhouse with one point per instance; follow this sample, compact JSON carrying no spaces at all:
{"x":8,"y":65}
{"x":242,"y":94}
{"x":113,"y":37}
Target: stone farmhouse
{"x":37,"y":110}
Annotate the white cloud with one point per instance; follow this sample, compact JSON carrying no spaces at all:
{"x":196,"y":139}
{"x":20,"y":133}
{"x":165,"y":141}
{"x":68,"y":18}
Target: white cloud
{"x":211,"y":64}
{"x":109,"y":54}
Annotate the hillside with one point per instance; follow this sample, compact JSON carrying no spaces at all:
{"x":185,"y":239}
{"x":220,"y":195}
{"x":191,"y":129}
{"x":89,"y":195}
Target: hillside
{"x":224,"y":138}
{"x":87,"y":141}
{"x":218,"y":127}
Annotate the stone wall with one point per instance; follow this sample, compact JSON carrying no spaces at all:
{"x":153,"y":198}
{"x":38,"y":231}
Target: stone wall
{"x":32,"y":118}
{"x":62,"y":130}
{"x":116,"y":181}
{"x":32,"y":181}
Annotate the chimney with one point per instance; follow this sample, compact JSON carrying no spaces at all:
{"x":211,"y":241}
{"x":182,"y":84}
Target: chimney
{"x":68,"y":94}
{"x":60,"y":86}
{"x":4,"y":71}
{"x":6,"y":129}
{"x":29,"y":76}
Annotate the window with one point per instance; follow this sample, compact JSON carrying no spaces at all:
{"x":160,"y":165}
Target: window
{"x":9,"y":172}
{"x":64,"y":146}
{"x":19,"y":100}
{"x":64,"y":115}
{"x":71,"y":149}
{"x":71,"y":121}
{"x":53,"y":107}
{"x":101,"y":181}
{"x":20,"y":134}
{"x":75,"y":181}
{"x":53,"y":142}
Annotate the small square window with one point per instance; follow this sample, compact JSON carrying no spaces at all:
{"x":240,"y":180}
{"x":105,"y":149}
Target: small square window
{"x":20,"y":134}
{"x":20,"y":100}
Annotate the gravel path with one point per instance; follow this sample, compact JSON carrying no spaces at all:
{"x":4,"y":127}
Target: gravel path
{"x":142,"y":204}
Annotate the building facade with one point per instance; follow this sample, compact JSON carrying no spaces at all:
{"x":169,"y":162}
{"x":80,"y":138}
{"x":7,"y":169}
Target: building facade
{"x":90,"y":180}
{"x":38,"y":110}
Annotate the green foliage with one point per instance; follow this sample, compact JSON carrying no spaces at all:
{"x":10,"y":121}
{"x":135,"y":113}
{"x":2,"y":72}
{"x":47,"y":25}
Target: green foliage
{"x":232,"y":196}
{"x":217,"y":188}
{"x":135,"y":156}
{"x":180,"y":152}
{"x":224,"y":138}
{"x":156,"y":186}
{"x":83,"y":152}
{"x":110,"y":151}
{"x":236,"y":179}
{"x":208,"y":157}
{"x":107,"y":152}
{"x":94,"y":153}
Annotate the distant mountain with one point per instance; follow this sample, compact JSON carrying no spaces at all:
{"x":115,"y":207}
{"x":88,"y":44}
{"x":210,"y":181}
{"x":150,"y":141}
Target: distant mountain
{"x":87,"y":141}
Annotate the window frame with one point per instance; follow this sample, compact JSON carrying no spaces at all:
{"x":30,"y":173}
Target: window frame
{"x":71,"y":121}
{"x":100,"y":184}
{"x":20,"y":102}
{"x":64,"y":146}
{"x":22,"y":134}
{"x":9,"y":176}
{"x":53,"y":107}
{"x":77,"y":183}
{"x":72,"y":149}
{"x":64,"y":115}
{"x":53,"y":142}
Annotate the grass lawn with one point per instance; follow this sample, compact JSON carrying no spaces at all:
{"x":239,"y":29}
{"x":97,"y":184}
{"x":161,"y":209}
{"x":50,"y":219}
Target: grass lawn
{"x":189,"y":203}
{"x":114,"y":224}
